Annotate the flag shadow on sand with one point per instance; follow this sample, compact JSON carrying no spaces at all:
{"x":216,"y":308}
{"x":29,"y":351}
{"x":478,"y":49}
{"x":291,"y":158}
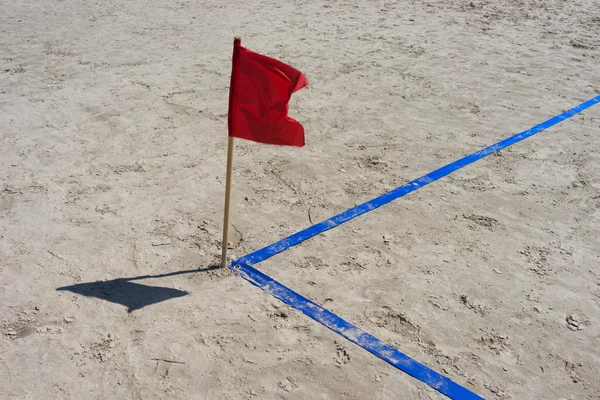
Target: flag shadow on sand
{"x":132,"y":295}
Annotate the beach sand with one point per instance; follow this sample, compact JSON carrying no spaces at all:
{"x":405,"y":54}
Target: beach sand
{"x":112,"y":167}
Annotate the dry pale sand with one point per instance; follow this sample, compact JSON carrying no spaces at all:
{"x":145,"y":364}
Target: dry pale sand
{"x":112,"y":161}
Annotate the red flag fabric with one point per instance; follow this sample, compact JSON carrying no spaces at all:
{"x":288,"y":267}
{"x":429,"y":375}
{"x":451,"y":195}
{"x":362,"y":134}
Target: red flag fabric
{"x":260,"y":90}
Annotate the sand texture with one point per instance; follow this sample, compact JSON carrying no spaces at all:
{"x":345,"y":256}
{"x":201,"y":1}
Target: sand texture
{"x":113,"y":121}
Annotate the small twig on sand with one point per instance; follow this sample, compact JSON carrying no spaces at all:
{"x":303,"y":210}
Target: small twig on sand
{"x":169,"y":361}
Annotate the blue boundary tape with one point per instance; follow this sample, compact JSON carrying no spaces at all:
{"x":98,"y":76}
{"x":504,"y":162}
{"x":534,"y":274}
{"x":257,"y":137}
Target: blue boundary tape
{"x":355,"y":335}
{"x":243,"y":266}
{"x":299,"y":237}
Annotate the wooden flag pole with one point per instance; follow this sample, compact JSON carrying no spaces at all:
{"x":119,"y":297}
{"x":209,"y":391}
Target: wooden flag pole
{"x":225,"y":241}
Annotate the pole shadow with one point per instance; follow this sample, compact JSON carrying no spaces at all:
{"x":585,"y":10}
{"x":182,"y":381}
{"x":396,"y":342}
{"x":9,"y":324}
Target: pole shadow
{"x":132,"y":295}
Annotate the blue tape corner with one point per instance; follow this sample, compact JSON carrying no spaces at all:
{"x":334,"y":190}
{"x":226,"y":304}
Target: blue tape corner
{"x":244,"y":268}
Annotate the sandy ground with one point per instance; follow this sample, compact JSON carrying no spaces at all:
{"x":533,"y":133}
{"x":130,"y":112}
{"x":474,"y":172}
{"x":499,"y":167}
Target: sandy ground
{"x":112,"y":161}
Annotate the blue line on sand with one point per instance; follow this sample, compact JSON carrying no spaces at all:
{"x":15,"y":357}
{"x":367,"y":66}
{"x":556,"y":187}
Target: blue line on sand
{"x":352,"y":333}
{"x":299,"y":237}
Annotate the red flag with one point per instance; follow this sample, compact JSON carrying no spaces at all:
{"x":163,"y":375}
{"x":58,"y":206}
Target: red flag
{"x":259,"y":93}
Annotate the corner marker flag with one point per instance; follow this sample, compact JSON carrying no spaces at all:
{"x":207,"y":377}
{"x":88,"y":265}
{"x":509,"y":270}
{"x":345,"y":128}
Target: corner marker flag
{"x":259,"y":93}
